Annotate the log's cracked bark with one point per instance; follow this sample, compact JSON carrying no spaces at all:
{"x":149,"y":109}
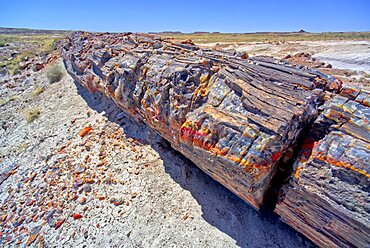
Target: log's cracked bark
{"x":328,"y":196}
{"x":234,"y":117}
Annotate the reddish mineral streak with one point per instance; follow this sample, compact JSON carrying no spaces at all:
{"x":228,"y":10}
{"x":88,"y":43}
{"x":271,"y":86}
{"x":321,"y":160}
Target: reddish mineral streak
{"x":335,"y":162}
{"x":276,"y":156}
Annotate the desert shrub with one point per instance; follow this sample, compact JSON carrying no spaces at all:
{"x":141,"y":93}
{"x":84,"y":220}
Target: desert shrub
{"x":13,"y":98}
{"x":13,"y":65}
{"x":38,"y":45}
{"x":49,"y":45}
{"x":54,"y":73}
{"x":10,"y":99}
{"x":54,"y":44}
{"x":32,"y":114}
{"x":37,"y":91}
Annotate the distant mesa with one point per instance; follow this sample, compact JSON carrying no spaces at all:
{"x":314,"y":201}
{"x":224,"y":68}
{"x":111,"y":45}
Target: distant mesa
{"x":201,"y":32}
{"x":4,"y":30}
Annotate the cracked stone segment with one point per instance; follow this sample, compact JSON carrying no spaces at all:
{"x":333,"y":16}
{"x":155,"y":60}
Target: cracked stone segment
{"x":328,"y":198}
{"x":233,"y":117}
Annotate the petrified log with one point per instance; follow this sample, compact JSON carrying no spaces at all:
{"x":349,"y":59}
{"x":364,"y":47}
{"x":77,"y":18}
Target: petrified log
{"x":328,"y":198}
{"x":233,"y":117}
{"x":239,"y":119}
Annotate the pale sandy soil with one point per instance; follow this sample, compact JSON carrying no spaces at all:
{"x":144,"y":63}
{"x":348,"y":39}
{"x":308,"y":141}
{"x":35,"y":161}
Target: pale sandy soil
{"x":352,"y":55}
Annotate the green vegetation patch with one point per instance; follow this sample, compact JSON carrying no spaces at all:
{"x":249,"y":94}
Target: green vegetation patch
{"x":204,"y":37}
{"x":54,"y":73}
{"x":40,"y":45}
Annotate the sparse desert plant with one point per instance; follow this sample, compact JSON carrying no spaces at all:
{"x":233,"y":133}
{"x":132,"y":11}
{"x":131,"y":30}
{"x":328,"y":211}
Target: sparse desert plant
{"x":39,"y":45}
{"x":3,"y":102}
{"x":54,"y":44}
{"x":13,"y":65}
{"x":22,"y":147}
{"x":32,"y":114}
{"x":10,"y":99}
{"x":37,"y":91}
{"x":50,"y":45}
{"x":13,"y":98}
{"x":54,"y":73}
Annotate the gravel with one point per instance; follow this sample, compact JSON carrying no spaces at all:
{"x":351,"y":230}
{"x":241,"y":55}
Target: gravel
{"x":119,"y":185}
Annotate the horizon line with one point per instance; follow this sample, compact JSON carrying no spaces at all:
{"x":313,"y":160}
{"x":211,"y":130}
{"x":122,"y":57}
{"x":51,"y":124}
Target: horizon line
{"x":177,"y":31}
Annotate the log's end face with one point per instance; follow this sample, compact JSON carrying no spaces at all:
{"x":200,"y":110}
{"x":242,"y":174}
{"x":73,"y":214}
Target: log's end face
{"x":330,"y":187}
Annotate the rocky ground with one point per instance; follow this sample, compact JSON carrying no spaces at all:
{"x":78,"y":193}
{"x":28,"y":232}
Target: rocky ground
{"x":348,"y":60}
{"x":81,"y":173}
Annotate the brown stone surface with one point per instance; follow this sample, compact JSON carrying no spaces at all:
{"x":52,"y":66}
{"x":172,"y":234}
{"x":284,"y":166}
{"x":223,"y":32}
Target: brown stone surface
{"x":328,"y":198}
{"x":233,"y":117}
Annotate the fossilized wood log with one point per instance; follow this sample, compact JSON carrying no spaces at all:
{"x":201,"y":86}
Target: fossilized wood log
{"x":233,"y":117}
{"x":328,"y":197}
{"x":238,"y":119}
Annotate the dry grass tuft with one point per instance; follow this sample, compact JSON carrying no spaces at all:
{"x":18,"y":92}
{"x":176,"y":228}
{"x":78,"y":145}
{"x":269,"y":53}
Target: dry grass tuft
{"x":32,"y":114}
{"x":54,"y":73}
{"x":10,"y":99}
{"x":37,"y":91}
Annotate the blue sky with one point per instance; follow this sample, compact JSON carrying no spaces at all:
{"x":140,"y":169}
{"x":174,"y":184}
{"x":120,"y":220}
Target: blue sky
{"x":188,"y":16}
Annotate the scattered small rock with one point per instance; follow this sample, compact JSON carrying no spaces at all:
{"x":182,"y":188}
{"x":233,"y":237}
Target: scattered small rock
{"x":37,"y":67}
{"x":52,"y":222}
{"x":22,"y":65}
{"x":82,"y":200}
{"x":33,"y":235}
{"x":186,"y":216}
{"x":87,"y":188}
{"x":84,"y":131}
{"x":245,"y":55}
{"x":50,"y":214}
{"x":59,"y":223}
{"x":77,"y":216}
{"x":133,"y":195}
{"x":79,"y":169}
